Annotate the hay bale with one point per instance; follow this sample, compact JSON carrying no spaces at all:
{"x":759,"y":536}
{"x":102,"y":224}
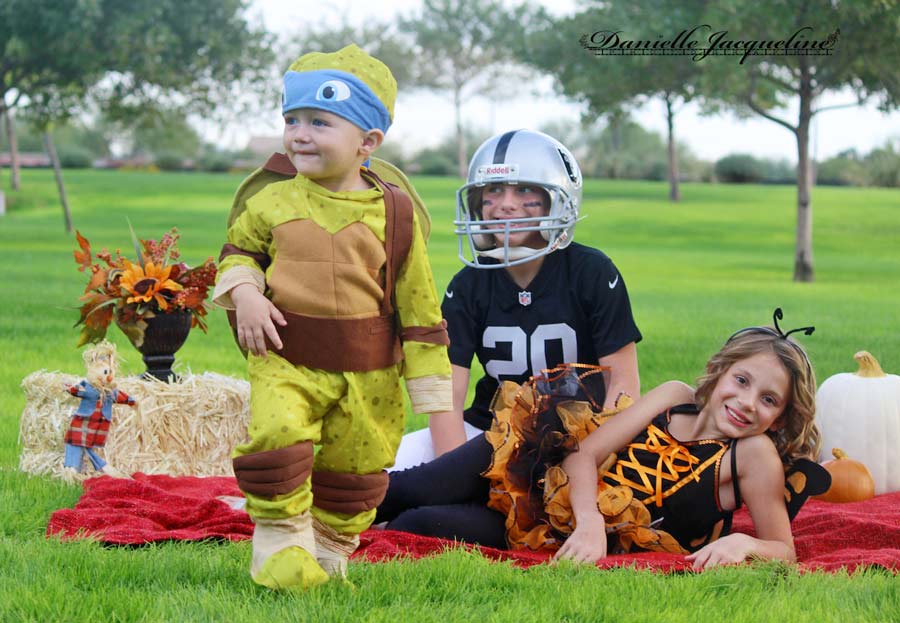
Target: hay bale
{"x":186,"y":428}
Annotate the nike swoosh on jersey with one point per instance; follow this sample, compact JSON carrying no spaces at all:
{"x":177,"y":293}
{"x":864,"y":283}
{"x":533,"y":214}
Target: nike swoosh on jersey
{"x":612,"y":284}
{"x":448,"y":294}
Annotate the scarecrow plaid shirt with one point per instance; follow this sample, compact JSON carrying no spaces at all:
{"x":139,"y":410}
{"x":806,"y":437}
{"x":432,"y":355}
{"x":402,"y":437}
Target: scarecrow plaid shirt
{"x":90,"y":422}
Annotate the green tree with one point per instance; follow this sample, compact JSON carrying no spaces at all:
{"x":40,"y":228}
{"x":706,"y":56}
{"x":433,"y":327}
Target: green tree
{"x":456,"y":46}
{"x":188,"y":55}
{"x":90,"y":138}
{"x":380,"y":39}
{"x":609,"y":84}
{"x":740,"y":169}
{"x":442,"y":159}
{"x":843,"y":169}
{"x":622,"y":149}
{"x":882,"y":165}
{"x":166,"y":132}
{"x":861,"y":38}
{"x":129,"y":57}
{"x":27,"y":139}
{"x":47,"y":56}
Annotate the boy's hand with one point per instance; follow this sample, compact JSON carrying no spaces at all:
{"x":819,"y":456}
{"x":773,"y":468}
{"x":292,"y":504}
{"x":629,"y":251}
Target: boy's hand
{"x":255,"y":315}
{"x":587,"y":543}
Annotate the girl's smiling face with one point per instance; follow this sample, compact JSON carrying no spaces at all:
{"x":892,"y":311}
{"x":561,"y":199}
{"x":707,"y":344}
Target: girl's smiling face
{"x":750,"y":396}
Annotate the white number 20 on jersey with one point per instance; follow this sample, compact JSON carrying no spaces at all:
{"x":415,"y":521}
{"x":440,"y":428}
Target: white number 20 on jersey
{"x":527,"y":349}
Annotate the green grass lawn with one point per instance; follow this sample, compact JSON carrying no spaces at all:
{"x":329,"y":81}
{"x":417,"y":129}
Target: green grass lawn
{"x":696,"y":271}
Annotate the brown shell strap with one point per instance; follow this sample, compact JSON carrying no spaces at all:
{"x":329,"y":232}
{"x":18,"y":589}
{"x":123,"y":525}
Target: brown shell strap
{"x":281,"y":164}
{"x":398,"y":233}
{"x":398,"y":216}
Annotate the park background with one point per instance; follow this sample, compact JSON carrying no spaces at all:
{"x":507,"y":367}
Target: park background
{"x":143,"y":136}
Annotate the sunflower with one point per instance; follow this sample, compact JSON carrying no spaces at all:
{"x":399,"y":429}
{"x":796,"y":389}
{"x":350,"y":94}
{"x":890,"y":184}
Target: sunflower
{"x":146,"y":284}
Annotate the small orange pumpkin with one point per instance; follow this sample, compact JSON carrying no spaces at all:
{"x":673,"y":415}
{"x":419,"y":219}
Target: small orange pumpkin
{"x":851,"y":480}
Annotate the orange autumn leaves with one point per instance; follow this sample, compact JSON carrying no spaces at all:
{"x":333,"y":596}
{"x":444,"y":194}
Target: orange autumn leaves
{"x":130,"y":293}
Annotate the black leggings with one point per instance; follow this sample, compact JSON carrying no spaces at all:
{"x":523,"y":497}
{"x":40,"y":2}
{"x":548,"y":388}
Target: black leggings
{"x":446,"y":498}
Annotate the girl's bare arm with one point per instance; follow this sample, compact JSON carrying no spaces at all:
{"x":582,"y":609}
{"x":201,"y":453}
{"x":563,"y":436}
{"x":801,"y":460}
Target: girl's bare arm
{"x":588,"y":541}
{"x":761,"y":481}
{"x":623,"y":376}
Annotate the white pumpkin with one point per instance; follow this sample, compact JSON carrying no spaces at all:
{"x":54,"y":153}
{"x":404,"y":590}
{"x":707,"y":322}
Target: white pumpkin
{"x":860,"y":413}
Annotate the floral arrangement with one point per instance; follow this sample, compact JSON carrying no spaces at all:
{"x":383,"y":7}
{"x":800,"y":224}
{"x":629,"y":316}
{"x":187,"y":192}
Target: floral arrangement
{"x":132,"y":293}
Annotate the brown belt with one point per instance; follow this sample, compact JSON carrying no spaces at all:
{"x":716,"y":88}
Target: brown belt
{"x":337,"y":345}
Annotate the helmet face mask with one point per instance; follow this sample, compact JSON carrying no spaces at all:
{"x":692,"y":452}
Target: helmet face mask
{"x":524,"y":158}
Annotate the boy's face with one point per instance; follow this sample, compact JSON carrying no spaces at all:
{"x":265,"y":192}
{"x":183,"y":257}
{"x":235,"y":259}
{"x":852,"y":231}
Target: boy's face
{"x":326,"y":148}
{"x":505,"y":201}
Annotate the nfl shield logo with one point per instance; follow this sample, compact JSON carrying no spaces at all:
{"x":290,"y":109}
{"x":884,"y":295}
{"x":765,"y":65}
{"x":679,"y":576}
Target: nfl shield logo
{"x":525,"y":298}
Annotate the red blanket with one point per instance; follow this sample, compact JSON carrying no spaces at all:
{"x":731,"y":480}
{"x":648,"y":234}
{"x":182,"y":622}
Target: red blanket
{"x":161,"y":508}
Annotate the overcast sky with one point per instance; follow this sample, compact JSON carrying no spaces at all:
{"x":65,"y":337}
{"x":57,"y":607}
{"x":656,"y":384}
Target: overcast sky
{"x":423,"y":118}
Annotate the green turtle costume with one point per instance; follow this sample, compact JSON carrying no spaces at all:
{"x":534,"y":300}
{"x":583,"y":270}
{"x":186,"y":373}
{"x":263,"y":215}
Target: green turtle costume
{"x":350,"y":273}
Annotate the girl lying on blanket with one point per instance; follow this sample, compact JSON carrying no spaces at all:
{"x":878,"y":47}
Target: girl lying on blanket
{"x":664,"y":474}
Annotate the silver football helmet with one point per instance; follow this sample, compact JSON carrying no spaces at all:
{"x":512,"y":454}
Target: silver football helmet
{"x":518,"y":157}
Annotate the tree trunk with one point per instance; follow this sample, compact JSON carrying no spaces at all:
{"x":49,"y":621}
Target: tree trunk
{"x":674,"y":192}
{"x":462,"y":163}
{"x":13,"y":150}
{"x":615,"y":135}
{"x":803,"y":259}
{"x":57,"y":171}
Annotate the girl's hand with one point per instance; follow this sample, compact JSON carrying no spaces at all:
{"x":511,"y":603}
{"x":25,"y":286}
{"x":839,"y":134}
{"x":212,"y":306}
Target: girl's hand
{"x":587,"y":543}
{"x":728,"y":550}
{"x":255,"y":316}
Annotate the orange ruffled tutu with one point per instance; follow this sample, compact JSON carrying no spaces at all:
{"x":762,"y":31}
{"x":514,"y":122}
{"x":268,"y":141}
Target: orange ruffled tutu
{"x":537,"y":510}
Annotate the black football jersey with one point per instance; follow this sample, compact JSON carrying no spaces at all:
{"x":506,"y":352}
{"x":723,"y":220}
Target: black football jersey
{"x":575,"y":310}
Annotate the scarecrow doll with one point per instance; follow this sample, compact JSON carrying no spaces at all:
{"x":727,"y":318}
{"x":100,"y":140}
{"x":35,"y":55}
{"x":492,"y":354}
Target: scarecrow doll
{"x":90,"y":422}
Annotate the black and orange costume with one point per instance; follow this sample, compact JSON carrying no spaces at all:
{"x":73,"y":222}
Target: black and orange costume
{"x":506,"y":489}
{"x":657,"y":493}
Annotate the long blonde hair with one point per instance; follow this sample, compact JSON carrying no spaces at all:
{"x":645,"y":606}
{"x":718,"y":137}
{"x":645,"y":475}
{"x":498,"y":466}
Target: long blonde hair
{"x":799,"y":436}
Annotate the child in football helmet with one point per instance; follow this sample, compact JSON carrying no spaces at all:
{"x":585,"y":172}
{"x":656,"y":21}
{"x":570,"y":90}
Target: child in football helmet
{"x":553,"y":302}
{"x":516,"y":161}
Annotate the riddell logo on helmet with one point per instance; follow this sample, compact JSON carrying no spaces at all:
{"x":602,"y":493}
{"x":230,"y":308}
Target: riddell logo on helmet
{"x":498,"y":171}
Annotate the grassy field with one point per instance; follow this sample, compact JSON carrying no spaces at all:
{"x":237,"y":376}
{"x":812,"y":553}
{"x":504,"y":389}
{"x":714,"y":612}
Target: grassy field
{"x":696,"y":271}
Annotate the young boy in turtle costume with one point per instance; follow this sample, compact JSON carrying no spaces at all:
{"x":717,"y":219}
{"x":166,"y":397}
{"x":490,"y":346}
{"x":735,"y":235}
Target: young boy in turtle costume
{"x":330,"y":291}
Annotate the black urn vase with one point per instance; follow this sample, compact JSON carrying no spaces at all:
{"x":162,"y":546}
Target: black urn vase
{"x":165,"y":334}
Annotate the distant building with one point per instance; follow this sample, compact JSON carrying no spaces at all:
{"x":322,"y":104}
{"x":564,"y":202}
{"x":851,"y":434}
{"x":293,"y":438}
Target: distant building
{"x":264,"y":145}
{"x":26,"y":159}
{"x":259,"y":148}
